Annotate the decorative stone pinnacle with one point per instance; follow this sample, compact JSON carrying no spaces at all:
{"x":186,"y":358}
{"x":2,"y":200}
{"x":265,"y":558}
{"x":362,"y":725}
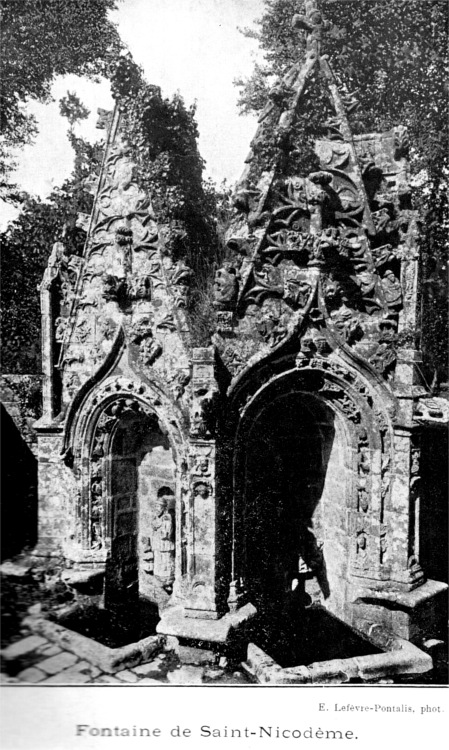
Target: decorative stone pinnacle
{"x":312,"y":22}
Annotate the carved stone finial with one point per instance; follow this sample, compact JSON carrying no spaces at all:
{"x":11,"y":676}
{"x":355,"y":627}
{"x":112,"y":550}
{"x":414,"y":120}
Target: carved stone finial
{"x":312,"y":22}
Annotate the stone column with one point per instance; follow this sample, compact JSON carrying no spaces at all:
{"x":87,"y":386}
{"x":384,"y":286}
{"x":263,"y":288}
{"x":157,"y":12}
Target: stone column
{"x":403,"y":511}
{"x":201,"y":511}
{"x":53,"y":492}
{"x":47,"y":349}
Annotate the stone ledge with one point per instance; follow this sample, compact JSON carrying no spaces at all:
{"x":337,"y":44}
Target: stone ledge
{"x":110,"y":660}
{"x":174,"y":622}
{"x":402,"y":599}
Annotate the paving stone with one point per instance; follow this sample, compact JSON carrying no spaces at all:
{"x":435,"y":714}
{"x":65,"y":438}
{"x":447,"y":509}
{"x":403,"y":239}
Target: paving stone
{"x":147,"y":669}
{"x":35,"y":609}
{"x":15,"y":570}
{"x":49,"y":650}
{"x":126,"y":676}
{"x":186,"y":675}
{"x":24,"y":646}
{"x":57,"y":663}
{"x":192,"y":655}
{"x":32,"y":674}
{"x":149,"y":681}
{"x":213,"y":674}
{"x":71,"y":676}
{"x":236,"y":678}
{"x":106,"y":679}
{"x":87,"y":668}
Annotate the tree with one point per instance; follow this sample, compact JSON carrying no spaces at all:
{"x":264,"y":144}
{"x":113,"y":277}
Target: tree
{"x":26,"y":246}
{"x":42,"y":39}
{"x":394,"y":56}
{"x":163,"y":136}
{"x":71,"y":107}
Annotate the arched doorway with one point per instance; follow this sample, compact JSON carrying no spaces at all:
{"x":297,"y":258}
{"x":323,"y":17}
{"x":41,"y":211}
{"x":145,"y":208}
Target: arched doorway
{"x":132,"y":504}
{"x":293,"y":485}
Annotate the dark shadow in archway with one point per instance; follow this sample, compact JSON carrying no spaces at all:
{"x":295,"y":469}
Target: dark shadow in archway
{"x":287,"y":450}
{"x":141,"y":478}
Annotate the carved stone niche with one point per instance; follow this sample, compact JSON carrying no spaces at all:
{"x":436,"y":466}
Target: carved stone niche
{"x":158,"y":549}
{"x":205,"y":392}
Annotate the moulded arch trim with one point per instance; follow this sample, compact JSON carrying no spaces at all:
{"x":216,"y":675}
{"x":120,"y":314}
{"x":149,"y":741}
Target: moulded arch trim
{"x":95,"y":380}
{"x":336,"y":375}
{"x":79,"y":432}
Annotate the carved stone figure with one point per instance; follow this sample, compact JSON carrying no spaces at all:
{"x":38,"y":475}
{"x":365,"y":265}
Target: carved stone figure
{"x":226,"y":287}
{"x":163,"y":543}
{"x":296,"y":289}
{"x":140,"y":288}
{"x":202,"y":413}
{"x":142,"y":334}
{"x":361,"y":560}
{"x":392,"y":290}
{"x":114,"y":288}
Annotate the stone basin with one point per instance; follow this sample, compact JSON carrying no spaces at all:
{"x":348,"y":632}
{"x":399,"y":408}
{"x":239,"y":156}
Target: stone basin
{"x":106,"y":658}
{"x":392,"y":657}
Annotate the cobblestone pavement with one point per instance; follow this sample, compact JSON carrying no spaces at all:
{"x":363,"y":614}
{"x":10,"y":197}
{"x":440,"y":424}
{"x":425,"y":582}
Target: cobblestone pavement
{"x":34,"y":660}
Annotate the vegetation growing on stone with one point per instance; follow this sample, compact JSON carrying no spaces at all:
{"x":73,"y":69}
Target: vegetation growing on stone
{"x":393,"y":57}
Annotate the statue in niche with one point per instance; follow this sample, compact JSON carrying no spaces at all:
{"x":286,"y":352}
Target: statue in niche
{"x":392,"y":290}
{"x":226,"y":287}
{"x":363,"y":499}
{"x":60,"y":329}
{"x":159,"y":551}
{"x":361,"y":550}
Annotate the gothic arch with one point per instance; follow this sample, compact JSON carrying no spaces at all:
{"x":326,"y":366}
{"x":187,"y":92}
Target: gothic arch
{"x":89,"y":439}
{"x":359,"y":418}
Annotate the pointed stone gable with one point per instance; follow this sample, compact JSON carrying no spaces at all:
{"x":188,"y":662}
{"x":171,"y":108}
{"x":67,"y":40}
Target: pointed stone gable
{"x":126,"y":285}
{"x":329,"y":258}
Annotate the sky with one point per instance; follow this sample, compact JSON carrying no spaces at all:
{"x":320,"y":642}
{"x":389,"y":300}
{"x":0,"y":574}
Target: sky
{"x":190,"y":46}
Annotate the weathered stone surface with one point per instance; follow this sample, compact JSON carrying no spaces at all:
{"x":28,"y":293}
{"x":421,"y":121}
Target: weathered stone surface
{"x":107,"y":679}
{"x":15,"y":570}
{"x":125,"y":675}
{"x":23,"y":647}
{"x":67,"y":677}
{"x":32,"y":674}
{"x":107,"y":659}
{"x":186,"y":675}
{"x":49,"y":650}
{"x":191,"y":655}
{"x":58,"y":663}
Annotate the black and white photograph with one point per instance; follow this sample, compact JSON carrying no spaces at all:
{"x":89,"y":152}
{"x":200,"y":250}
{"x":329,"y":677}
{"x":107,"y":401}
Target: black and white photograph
{"x":224,"y":377}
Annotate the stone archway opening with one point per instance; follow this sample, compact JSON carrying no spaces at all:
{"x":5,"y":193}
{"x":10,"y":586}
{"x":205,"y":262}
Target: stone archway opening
{"x":292,"y":459}
{"x":295,"y":492}
{"x":140,"y":482}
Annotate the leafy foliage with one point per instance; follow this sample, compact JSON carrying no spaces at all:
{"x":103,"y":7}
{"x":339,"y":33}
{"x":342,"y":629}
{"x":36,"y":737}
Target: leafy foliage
{"x":162,"y":134}
{"x":42,"y":39}
{"x":71,"y":107}
{"x":394,"y":56}
{"x":26,"y":246}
